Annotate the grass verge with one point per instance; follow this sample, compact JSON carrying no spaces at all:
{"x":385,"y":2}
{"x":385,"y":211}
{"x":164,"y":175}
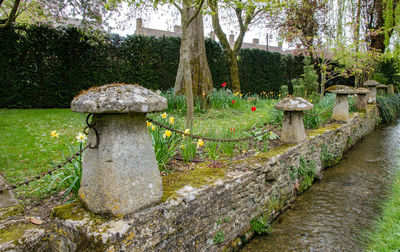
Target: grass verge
{"x":385,"y":234}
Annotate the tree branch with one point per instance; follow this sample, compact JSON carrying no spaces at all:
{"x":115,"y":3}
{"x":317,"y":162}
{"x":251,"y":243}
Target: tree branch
{"x":213,"y":4}
{"x":196,"y":12}
{"x":243,"y":28}
{"x":177,"y":6}
{"x":11,"y":17}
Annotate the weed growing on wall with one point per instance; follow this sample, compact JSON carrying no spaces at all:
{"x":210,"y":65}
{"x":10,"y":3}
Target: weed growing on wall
{"x":219,"y":237}
{"x":260,"y":225}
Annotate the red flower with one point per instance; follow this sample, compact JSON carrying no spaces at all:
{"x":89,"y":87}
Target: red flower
{"x":233,"y":130}
{"x":253,"y":108}
{"x":233,"y":101}
{"x":223,"y":84}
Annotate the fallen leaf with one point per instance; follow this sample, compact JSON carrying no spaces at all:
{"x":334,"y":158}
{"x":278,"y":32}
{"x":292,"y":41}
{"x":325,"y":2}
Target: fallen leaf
{"x":35,"y":221}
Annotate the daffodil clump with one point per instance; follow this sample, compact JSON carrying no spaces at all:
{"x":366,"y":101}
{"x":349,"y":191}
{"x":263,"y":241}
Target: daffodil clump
{"x":69,"y":176}
{"x":165,"y":142}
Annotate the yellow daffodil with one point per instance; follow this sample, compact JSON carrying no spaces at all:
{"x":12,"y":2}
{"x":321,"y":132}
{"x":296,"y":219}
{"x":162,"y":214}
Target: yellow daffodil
{"x":185,"y":133}
{"x":167,"y":133}
{"x":81,"y":138}
{"x":54,"y":133}
{"x":153,"y":128}
{"x":200,"y":143}
{"x":148,"y":123}
{"x":171,"y":120}
{"x":244,"y":152}
{"x":182,"y":146}
{"x":164,"y":115}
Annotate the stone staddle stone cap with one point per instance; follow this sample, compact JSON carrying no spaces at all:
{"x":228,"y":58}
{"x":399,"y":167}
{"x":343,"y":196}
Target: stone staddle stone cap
{"x":371,"y":83}
{"x":294,"y":104}
{"x":118,"y":98}
{"x":340,"y":89}
{"x":381,"y":86}
{"x":362,"y":91}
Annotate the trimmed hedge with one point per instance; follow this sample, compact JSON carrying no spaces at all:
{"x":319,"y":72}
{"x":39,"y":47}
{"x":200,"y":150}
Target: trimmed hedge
{"x":43,"y":67}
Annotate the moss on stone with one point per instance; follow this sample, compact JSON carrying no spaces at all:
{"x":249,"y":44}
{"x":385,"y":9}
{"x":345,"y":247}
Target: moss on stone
{"x":201,"y":175}
{"x":6,"y":212}
{"x":322,"y":130}
{"x":271,"y":153}
{"x":14,"y":232}
{"x":75,"y":211}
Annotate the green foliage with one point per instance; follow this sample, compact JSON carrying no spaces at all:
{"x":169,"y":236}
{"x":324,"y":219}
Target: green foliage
{"x":165,"y":144}
{"x":389,"y":107}
{"x":70,"y":175}
{"x":260,"y":225}
{"x":327,"y":157}
{"x":299,"y":88}
{"x":385,"y":233}
{"x":188,"y":149}
{"x":310,"y":77}
{"x":219,"y":237}
{"x":379,"y":77}
{"x":284,"y":90}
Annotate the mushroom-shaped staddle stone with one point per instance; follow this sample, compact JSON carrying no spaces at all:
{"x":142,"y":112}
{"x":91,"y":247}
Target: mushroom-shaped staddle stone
{"x":381,"y":89}
{"x":293,"y":130}
{"x":341,"y":108}
{"x":361,"y":99}
{"x":371,"y":85}
{"x":121,"y":175}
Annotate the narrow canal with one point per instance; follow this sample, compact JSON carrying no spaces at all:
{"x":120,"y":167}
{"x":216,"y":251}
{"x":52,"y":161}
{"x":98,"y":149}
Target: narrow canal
{"x":334,"y":214}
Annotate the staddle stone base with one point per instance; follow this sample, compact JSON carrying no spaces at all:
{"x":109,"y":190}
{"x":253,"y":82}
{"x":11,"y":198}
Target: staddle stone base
{"x":341,"y":108}
{"x":371,"y":97}
{"x":121,"y":176}
{"x":361,"y":102}
{"x":293,"y":130}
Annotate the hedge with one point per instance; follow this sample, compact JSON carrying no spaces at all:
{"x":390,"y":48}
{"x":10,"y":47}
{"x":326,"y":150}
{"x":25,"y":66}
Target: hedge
{"x":43,"y":67}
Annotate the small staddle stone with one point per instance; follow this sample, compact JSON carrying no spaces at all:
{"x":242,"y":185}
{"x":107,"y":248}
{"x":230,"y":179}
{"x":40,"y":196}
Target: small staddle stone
{"x":121,"y":176}
{"x":361,"y":99}
{"x":293,"y":130}
{"x":6,"y":197}
{"x":381,"y":89}
{"x":390,"y":89}
{"x":371,"y":85}
{"x":341,"y":108}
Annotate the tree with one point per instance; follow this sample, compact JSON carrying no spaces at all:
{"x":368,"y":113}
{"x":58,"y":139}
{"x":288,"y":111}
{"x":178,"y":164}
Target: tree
{"x":303,"y":21}
{"x":193,"y":76}
{"x":245,"y":12}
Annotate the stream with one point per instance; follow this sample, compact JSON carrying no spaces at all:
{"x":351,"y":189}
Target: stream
{"x":337,"y":211}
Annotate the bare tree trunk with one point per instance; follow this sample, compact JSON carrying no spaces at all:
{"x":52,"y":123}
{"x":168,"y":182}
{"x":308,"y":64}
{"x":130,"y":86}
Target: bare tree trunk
{"x":194,"y":76}
{"x":323,"y":81}
{"x":234,"y":71}
{"x":197,"y":61}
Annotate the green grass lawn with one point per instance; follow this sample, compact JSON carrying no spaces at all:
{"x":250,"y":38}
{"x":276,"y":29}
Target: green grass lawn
{"x":26,"y":147}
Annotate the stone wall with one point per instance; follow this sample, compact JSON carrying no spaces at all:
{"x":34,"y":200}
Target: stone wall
{"x":214,"y":216}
